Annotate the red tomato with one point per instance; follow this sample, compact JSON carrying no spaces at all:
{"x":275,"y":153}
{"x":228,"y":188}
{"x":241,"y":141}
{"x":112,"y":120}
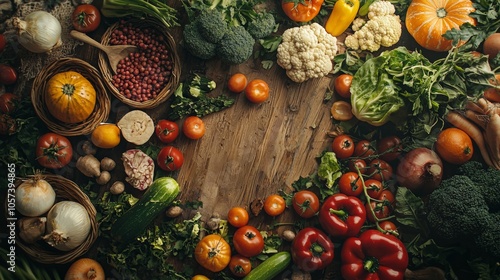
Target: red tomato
{"x":380,"y":170}
{"x":257,"y":91}
{"x":389,"y":227}
{"x":170,"y":158}
{"x":8,"y":75}
{"x":53,"y":150}
{"x":343,"y":146}
{"x":342,"y":85}
{"x":248,"y":241}
{"x":240,"y":266}
{"x":388,"y":196}
{"x":167,"y":131}
{"x":379,"y":209}
{"x":238,"y":216}
{"x":193,"y":127}
{"x":389,"y":148}
{"x":305,"y":203}
{"x":237,"y":83}
{"x":274,"y":205}
{"x":86,"y":18}
{"x":350,"y":184}
{"x":8,"y":102}
{"x":357,"y":164}
{"x":3,"y":42}
{"x":364,"y":149}
{"x":374,"y":188}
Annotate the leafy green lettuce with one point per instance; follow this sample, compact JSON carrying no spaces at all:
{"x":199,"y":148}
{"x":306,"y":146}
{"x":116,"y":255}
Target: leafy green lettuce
{"x":329,"y":169}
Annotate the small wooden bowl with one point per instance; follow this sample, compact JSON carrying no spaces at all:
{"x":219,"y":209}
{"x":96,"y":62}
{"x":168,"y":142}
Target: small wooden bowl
{"x":172,"y":83}
{"x":102,"y":106}
{"x":65,"y":189}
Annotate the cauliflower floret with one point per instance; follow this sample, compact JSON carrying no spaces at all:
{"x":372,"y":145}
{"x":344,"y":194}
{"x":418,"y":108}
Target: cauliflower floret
{"x":357,"y":24}
{"x":306,"y":52}
{"x":381,"y":8}
{"x":382,"y":29}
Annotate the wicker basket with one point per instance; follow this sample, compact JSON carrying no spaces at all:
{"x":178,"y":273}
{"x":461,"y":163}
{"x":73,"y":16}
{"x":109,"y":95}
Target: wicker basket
{"x":102,"y":106}
{"x":171,"y":85}
{"x":65,"y":190}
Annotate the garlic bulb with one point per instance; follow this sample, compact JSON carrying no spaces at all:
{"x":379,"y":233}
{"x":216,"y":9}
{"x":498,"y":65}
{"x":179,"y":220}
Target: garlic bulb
{"x":34,"y":197}
{"x":39,"y":32}
{"x":68,"y":225}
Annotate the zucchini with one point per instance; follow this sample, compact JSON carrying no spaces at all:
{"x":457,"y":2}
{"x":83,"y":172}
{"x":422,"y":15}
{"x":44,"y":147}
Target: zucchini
{"x":271,"y":267}
{"x":155,"y":199}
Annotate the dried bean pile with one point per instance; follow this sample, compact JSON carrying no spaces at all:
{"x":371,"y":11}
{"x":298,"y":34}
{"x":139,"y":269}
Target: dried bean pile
{"x":143,"y":74}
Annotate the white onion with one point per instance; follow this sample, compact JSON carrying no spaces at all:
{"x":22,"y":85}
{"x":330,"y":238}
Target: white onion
{"x":39,"y":32}
{"x":68,"y":225}
{"x":34,"y":197}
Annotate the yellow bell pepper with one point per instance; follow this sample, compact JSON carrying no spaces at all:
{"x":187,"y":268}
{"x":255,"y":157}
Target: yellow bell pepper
{"x":343,"y":13}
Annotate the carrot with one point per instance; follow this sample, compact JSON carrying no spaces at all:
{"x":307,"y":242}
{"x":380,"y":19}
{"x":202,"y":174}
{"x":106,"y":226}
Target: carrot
{"x":472,"y":130}
{"x":492,"y":136}
{"x":492,"y":94}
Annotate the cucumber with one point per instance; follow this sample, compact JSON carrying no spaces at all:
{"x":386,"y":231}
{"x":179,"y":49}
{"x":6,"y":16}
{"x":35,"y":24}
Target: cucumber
{"x":155,"y":199}
{"x":271,"y":267}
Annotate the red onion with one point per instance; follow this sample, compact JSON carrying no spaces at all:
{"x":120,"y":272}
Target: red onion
{"x":420,"y":170}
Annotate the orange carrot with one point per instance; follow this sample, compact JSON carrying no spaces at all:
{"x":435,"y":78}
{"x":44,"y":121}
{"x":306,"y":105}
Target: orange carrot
{"x":472,"y":130}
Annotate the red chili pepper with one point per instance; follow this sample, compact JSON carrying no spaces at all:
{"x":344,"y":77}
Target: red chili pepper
{"x":374,"y":255}
{"x":312,"y":249}
{"x":342,"y":216}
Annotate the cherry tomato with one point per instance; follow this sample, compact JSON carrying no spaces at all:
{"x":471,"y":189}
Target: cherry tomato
{"x":257,"y":91}
{"x":167,"y":131}
{"x":193,"y":127}
{"x":374,"y":188}
{"x":8,"y":102}
{"x":342,"y":85}
{"x":364,"y":149}
{"x":8,"y":75}
{"x":357,"y":164}
{"x":170,"y":158}
{"x":238,"y":216}
{"x":248,"y":241}
{"x":3,"y":42}
{"x":389,"y":148}
{"x":240,"y":266}
{"x":274,"y":205}
{"x":350,"y":184}
{"x":305,"y":203}
{"x":389,"y":227}
{"x":387,"y":195}
{"x":86,"y":18}
{"x":53,"y":150}
{"x":237,"y":83}
{"x":380,"y":170}
{"x":343,"y":146}
{"x":380,"y":209}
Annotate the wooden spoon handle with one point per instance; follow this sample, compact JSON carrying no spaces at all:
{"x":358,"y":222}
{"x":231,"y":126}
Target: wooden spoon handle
{"x":86,"y":39}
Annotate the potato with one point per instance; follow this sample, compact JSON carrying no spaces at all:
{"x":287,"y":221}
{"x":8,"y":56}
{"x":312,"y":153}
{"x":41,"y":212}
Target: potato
{"x":491,"y":45}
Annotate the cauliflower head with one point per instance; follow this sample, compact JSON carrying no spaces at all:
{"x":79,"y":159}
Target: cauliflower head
{"x":383,"y":28}
{"x":306,"y":52}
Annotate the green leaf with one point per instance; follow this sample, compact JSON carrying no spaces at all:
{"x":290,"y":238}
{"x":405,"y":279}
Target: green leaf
{"x":329,"y":169}
{"x":408,"y":208}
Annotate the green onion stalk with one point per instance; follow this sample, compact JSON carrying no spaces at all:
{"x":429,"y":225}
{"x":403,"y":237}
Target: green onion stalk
{"x":153,"y":8}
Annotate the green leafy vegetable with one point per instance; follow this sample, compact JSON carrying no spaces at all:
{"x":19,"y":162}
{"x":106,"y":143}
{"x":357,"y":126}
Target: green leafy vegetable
{"x":329,"y":169}
{"x":153,"y":8}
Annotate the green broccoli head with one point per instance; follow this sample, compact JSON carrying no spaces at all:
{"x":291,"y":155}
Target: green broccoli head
{"x":212,"y":25}
{"x":196,"y":44}
{"x":456,"y":211}
{"x":487,"y":241}
{"x":262,"y":26}
{"x":487,"y":179}
{"x":236,"y":46}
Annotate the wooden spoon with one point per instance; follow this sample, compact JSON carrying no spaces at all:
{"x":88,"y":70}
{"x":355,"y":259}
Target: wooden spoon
{"x":115,"y":53}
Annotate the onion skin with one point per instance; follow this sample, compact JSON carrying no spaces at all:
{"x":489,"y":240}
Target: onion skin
{"x":85,"y":269}
{"x":420,"y":170}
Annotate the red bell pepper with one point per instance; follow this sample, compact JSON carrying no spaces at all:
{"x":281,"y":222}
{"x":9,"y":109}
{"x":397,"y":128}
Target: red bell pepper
{"x":374,"y":255}
{"x":312,"y":249}
{"x":342,"y":216}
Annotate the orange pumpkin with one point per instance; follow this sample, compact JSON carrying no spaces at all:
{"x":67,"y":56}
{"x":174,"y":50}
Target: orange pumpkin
{"x":70,"y":97}
{"x":428,"y":20}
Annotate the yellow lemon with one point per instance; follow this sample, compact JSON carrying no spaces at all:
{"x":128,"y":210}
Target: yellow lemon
{"x":106,"y":136}
{"x":200,"y":277}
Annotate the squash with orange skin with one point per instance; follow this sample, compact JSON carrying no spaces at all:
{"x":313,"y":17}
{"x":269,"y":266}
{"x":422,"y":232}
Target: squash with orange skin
{"x":70,"y":97}
{"x":428,"y":20}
